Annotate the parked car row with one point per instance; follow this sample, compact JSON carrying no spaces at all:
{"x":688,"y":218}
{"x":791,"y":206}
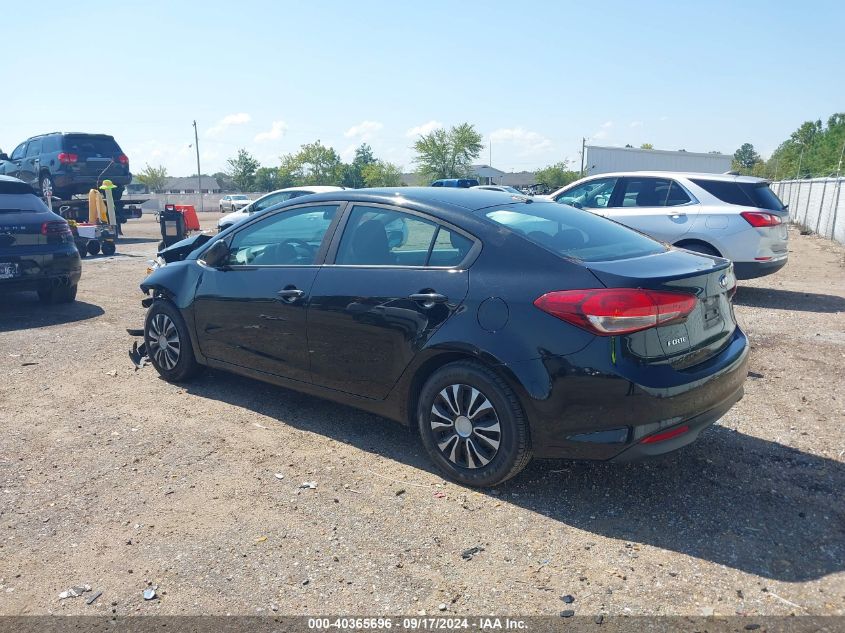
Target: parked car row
{"x":573,"y":336}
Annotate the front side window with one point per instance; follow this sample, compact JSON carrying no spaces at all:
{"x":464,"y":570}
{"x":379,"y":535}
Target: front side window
{"x":594,"y":194}
{"x":651,"y":192}
{"x":18,"y":153}
{"x":382,"y":237}
{"x":573,"y":233}
{"x":290,"y":238}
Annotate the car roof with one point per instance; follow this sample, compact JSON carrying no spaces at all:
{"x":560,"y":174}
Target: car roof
{"x":678,"y":174}
{"x":471,"y":200}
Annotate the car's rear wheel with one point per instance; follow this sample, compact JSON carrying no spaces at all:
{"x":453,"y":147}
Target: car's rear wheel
{"x":472,"y":425}
{"x":47,"y":185}
{"x":58,"y":294}
{"x":169,"y":343}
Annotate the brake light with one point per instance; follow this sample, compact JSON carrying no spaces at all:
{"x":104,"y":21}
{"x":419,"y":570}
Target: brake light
{"x":55,"y":229}
{"x":758,"y":219}
{"x":666,"y":435}
{"x":609,"y":311}
{"x":65,"y":158}
{"x":123,"y":159}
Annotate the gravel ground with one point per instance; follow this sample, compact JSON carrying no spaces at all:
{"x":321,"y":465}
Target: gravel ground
{"x":118,"y":480}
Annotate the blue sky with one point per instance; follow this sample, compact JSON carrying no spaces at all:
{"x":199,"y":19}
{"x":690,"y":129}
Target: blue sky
{"x":534,"y":77}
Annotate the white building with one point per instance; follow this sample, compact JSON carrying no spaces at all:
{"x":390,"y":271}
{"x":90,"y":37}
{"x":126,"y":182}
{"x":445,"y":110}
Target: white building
{"x":601,"y":160}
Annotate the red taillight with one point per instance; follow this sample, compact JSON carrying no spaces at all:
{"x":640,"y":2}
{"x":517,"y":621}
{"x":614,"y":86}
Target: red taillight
{"x":666,"y":435}
{"x":609,"y":311}
{"x":123,"y":159}
{"x":758,"y":219}
{"x":65,"y":158}
{"x":55,"y":229}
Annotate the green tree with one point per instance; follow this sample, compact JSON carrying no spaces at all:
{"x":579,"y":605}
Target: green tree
{"x":313,"y":164}
{"x":557,"y":175}
{"x":382,"y":174}
{"x":266,"y":179}
{"x":242,"y":170}
{"x":153,"y":177}
{"x":223,"y":180}
{"x":353,"y":172}
{"x":448,"y":153}
{"x":745,"y":158}
{"x":646,"y":146}
{"x":813,"y":149}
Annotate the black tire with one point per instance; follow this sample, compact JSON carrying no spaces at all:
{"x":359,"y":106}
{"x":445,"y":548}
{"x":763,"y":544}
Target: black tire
{"x":108,"y":248}
{"x":162,"y":245}
{"x":700,"y":247}
{"x":58,"y":294}
{"x":169,"y":343}
{"x":93,"y":247}
{"x":469,"y":454}
{"x":82,"y":248}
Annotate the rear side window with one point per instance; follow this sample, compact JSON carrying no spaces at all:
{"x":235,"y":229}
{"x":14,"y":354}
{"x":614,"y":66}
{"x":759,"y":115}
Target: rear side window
{"x":755,"y":194}
{"x":574,"y":233}
{"x":33,"y":149}
{"x":98,"y":146}
{"x":382,"y":237}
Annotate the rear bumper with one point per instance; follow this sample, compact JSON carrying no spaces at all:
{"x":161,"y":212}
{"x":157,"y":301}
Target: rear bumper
{"x":43,"y":270}
{"x":80,"y":183}
{"x":752,"y":270}
{"x":583,"y":407}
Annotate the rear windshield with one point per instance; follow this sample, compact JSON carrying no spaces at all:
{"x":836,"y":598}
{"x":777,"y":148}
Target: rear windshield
{"x":573,"y":232}
{"x":104,"y":146}
{"x":755,"y":194}
{"x":19,"y":202}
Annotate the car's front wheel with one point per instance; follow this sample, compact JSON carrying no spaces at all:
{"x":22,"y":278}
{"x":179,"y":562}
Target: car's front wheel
{"x":472,"y":425}
{"x":169,"y":343}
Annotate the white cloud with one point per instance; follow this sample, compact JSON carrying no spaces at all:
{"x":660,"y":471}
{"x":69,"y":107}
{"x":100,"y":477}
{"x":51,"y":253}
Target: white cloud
{"x":226,"y":122}
{"x":528,"y":142}
{"x":364,"y":131}
{"x":603,"y":131}
{"x":277,"y":130}
{"x":423,"y":129}
{"x":636,"y":124}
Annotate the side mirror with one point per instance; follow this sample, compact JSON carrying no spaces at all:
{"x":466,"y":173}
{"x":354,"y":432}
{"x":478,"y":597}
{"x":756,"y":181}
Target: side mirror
{"x":216,"y":255}
{"x":4,"y":156}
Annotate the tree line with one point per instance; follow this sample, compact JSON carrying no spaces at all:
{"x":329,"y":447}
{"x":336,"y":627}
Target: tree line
{"x":815,"y":149}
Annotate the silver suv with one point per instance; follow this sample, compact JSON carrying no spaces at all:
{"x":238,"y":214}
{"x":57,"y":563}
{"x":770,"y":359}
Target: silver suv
{"x":736,"y":217}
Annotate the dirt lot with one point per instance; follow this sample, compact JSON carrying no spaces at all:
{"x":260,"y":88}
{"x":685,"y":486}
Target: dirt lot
{"x":116,"y":479}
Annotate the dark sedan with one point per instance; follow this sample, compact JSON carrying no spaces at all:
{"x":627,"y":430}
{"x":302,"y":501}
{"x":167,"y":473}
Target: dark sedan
{"x":500,"y":327}
{"x":36,"y":246}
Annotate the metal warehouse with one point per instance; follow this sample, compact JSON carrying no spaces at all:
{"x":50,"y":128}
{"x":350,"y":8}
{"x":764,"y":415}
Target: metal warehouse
{"x":601,"y":160}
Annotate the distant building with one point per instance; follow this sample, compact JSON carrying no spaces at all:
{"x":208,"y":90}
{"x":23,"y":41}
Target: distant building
{"x":601,"y":160}
{"x":491,"y":175}
{"x":189,"y":184}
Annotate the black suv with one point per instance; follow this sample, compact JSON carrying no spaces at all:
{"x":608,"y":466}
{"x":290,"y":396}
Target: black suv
{"x":68,"y":163}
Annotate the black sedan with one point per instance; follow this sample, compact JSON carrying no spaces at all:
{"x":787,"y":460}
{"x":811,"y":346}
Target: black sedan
{"x":37,"y":251}
{"x":500,"y":327}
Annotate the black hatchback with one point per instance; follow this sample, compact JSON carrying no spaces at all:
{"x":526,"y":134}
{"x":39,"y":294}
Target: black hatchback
{"x":500,"y":327}
{"x":37,"y":251}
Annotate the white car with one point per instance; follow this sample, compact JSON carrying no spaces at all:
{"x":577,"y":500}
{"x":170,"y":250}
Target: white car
{"x":736,"y":217}
{"x":502,"y":188}
{"x":269,"y":200}
{"x":233,"y":202}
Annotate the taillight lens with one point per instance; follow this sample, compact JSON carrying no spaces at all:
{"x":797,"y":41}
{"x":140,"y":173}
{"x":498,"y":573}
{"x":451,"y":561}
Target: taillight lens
{"x":65,"y":158}
{"x":758,"y":219}
{"x":123,"y":159}
{"x":55,"y":229}
{"x":609,"y":311}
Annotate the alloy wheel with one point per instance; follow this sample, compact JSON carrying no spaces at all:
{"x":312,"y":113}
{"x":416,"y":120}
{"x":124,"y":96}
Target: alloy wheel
{"x":165,"y":345}
{"x":465,"y":426}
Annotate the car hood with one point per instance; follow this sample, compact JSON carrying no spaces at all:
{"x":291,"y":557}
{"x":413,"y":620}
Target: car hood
{"x":180,"y":250}
{"x":232,"y":218}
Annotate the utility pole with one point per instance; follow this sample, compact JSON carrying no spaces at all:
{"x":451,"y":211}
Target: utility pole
{"x":800,"y":157}
{"x":199,"y":171}
{"x":839,"y":166}
{"x":583,"y":147}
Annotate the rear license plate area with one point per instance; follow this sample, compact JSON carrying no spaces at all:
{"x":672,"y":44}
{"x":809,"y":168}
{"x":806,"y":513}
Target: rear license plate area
{"x":9,"y":270}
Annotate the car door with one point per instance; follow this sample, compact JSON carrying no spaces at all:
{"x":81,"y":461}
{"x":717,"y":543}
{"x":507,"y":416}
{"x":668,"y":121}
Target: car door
{"x":13,"y":166}
{"x":659,"y":207}
{"x":395,"y":277}
{"x":30,"y":164}
{"x":251,"y":312}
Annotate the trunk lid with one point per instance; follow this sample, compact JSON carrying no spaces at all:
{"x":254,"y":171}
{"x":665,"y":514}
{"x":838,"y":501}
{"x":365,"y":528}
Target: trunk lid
{"x":97,"y":155}
{"x":705,"y":331}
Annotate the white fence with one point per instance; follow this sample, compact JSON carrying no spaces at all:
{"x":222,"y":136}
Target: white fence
{"x":817,"y":204}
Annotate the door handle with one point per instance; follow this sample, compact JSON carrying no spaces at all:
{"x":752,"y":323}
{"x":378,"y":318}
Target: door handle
{"x":677,"y":214}
{"x":290,"y":295}
{"x":428,"y":299}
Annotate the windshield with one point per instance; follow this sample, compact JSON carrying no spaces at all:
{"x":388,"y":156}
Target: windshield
{"x":573,"y":232}
{"x":239,"y":198}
